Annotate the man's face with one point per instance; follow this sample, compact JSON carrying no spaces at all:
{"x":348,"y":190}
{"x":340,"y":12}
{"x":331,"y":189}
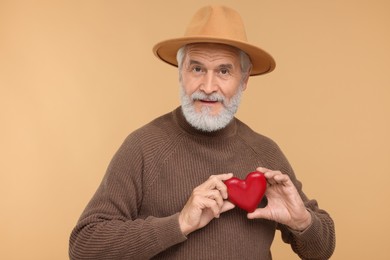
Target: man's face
{"x":212,"y":82}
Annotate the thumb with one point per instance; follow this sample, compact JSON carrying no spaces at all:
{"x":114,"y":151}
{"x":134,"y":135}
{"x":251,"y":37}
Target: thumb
{"x":227,"y":205}
{"x":259,"y":213}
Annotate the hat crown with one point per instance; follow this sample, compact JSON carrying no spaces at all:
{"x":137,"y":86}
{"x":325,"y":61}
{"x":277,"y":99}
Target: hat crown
{"x":217,"y":21}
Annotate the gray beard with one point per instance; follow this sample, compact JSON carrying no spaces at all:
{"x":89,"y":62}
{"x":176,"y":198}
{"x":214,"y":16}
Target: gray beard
{"x":203,"y":120}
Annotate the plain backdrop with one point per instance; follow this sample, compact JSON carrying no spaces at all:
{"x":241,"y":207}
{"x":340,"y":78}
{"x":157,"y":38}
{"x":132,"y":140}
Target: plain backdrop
{"x":77,"y":76}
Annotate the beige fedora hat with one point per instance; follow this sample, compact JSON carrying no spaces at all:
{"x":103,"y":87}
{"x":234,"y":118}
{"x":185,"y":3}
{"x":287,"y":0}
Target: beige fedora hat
{"x":216,"y":24}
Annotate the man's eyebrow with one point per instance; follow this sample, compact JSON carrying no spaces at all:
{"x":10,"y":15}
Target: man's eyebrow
{"x":192,"y":62}
{"x":226,"y":66}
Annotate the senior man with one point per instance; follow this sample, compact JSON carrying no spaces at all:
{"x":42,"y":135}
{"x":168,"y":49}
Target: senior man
{"x":164,"y":196}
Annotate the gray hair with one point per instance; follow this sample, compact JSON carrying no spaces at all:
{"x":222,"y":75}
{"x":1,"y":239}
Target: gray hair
{"x":245,"y":61}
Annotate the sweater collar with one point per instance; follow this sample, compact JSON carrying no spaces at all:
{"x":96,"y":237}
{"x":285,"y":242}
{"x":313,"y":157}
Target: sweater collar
{"x":229,"y":130}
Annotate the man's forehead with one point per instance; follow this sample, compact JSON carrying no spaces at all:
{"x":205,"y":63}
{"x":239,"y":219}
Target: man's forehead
{"x":213,"y":51}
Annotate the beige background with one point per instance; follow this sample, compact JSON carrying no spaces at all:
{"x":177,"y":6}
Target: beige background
{"x":77,"y":76}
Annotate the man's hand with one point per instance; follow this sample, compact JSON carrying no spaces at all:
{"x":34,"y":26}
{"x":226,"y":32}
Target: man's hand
{"x":207,"y":201}
{"x":284,"y":206}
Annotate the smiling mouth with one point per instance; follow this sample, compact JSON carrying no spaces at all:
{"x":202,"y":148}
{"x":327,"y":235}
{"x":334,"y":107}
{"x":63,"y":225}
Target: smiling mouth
{"x":209,"y":101}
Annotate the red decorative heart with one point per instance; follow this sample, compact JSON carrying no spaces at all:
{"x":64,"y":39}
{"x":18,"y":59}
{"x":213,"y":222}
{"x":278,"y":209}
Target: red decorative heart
{"x":247,"y":193}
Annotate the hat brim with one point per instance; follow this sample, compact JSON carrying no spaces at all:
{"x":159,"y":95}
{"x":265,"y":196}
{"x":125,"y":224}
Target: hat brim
{"x":262,"y":62}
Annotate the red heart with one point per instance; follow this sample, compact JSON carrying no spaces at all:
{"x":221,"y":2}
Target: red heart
{"x":247,"y":193}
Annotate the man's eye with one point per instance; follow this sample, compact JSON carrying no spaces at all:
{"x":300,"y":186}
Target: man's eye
{"x":224,"y":71}
{"x":197,"y":69}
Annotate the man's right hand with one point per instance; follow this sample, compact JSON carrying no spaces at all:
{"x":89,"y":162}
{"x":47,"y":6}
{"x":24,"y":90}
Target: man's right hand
{"x":207,"y":201}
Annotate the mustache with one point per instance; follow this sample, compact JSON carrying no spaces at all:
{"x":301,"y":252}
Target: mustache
{"x":199,"y":95}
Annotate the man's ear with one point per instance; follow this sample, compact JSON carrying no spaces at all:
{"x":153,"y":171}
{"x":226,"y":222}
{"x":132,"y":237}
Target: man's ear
{"x":245,"y":79}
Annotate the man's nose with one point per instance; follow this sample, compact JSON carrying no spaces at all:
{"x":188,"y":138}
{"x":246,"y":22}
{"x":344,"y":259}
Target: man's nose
{"x":209,"y":84}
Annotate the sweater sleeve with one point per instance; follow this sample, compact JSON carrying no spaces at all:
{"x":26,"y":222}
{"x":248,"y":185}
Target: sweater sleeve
{"x":111,"y":227}
{"x":318,"y":240}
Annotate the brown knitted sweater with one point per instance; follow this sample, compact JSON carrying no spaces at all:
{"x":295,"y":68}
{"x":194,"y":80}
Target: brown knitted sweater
{"x":134,"y":213}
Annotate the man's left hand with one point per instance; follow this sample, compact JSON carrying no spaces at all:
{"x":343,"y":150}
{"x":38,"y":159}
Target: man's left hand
{"x":284,"y":206}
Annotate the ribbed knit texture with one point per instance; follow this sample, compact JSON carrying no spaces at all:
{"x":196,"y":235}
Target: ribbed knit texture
{"x":134,"y":213}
